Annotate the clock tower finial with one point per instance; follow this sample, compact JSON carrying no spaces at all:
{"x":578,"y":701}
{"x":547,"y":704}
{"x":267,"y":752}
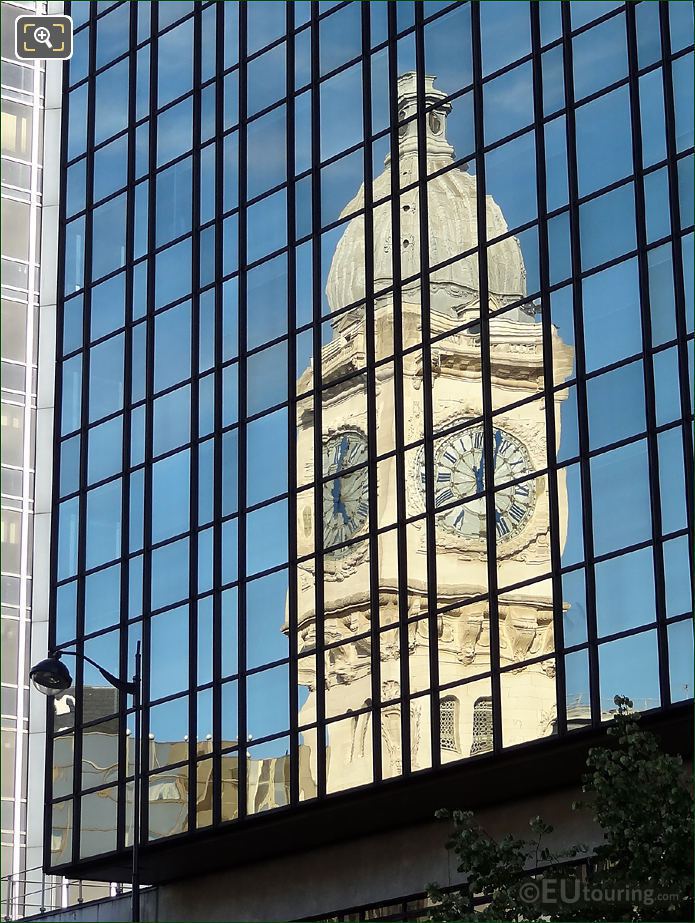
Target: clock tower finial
{"x":437,"y":108}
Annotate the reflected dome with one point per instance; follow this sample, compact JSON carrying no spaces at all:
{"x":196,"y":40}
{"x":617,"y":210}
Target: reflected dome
{"x":452,"y":218}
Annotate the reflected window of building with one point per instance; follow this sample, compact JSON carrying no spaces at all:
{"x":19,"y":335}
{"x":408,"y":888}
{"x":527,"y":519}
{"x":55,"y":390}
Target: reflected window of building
{"x":482,"y":726}
{"x":448,"y":723}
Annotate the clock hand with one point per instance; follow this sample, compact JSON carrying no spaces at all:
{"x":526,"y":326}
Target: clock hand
{"x":343,"y":450}
{"x":335,"y":494}
{"x":341,"y":508}
{"x":479,"y":478}
{"x":498,"y":442}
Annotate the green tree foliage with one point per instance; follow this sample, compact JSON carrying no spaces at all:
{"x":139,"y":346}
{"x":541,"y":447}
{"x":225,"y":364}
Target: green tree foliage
{"x":641,"y":799}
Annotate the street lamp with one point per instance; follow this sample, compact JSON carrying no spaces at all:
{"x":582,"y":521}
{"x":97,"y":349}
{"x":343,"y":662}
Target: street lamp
{"x":51,"y":677}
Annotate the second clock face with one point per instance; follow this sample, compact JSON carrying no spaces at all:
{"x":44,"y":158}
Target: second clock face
{"x":345,"y":496}
{"x":459,"y":473}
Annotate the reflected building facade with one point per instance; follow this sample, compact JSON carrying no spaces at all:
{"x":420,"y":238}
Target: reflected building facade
{"x":372,"y":415}
{"x":521,"y":512}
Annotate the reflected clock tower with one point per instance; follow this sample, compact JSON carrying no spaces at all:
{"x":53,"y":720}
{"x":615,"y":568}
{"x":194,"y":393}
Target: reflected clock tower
{"x":517,"y":378}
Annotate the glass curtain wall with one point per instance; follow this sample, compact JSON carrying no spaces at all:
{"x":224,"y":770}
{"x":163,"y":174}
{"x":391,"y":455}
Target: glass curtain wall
{"x":374,"y":393}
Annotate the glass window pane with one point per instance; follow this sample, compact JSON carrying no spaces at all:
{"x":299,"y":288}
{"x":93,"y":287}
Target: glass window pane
{"x":584,"y":11}
{"x":616,"y":405}
{"x":69,"y":464}
{"x":340,"y":38}
{"x":106,"y":378}
{"x":265,"y":24}
{"x":625,"y":592}
{"x":266,"y":153}
{"x":174,"y":213}
{"x":604,"y":145}
{"x":265,"y":613}
{"x":230,"y":467}
{"x":266,"y":537}
{"x":169,"y":574}
{"x":267,"y":378}
{"x":75,"y":194}
{"x":448,"y":52}
{"x":171,"y":478}
{"x":341,"y":125}
{"x":508,"y":103}
{"x":172,"y":346}
{"x":505,"y":31}
{"x":175,"y":62}
{"x":103,"y":524}
{"x":630,"y":667}
{"x":169,"y":653}
{"x":270,"y":686}
{"x":651,"y":104}
{"x":680,"y":655}
{"x":113,"y":34}
{"x":108,"y":306}
{"x":108,"y":237}
{"x":620,"y":498}
{"x":607,"y":226}
{"x":105,"y":446}
{"x":684,"y":101}
{"x":111,"y":106}
{"x":174,"y":131}
{"x":102,"y":599}
{"x":266,"y":79}
{"x":267,"y":457}
{"x":71,"y":410}
{"x":599,"y":57}
{"x":672,"y":481}
{"x":68,"y":523}
{"x":172,"y":278}
{"x":172,"y":420}
{"x":266,"y":226}
{"x":173,"y":10}
{"x":110,"y":168}
{"x":267,"y":301}
{"x":612,"y":326}
{"x":74,"y":256}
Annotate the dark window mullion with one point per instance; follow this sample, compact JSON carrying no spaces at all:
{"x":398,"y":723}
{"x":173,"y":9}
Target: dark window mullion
{"x":549,"y":380}
{"x":149,"y":435}
{"x":318,"y":410}
{"x":195,"y":444}
{"x":82,"y":529}
{"x":124,"y":741}
{"x":242,"y":466}
{"x":292,"y":418}
{"x":580,"y":365}
{"x":428,"y":413}
{"x":485,"y":365}
{"x":217,"y":427}
{"x":648,"y":360}
{"x":678,"y":269}
{"x":399,"y":422}
{"x":370,"y":349}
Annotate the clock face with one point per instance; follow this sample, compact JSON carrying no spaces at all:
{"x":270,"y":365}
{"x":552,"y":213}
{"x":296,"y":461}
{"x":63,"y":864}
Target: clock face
{"x":459,"y":473}
{"x":345,"y":497}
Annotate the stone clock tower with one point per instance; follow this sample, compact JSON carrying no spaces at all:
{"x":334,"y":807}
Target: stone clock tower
{"x":521,"y":509}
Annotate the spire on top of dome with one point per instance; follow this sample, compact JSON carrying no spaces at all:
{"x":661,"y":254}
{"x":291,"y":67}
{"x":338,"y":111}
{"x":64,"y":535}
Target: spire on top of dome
{"x":437,"y":107}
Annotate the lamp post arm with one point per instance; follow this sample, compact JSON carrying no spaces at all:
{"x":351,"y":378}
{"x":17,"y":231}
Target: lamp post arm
{"x":114,"y":681}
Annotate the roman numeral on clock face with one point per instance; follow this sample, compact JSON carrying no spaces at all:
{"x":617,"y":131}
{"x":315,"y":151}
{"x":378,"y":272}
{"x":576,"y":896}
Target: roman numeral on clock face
{"x":460,"y":474}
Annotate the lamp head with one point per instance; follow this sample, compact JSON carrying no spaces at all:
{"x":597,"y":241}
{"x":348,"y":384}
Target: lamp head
{"x":51,"y":677}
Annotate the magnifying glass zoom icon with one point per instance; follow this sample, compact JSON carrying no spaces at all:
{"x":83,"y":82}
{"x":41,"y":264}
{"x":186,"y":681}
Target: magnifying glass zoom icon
{"x":44,"y":36}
